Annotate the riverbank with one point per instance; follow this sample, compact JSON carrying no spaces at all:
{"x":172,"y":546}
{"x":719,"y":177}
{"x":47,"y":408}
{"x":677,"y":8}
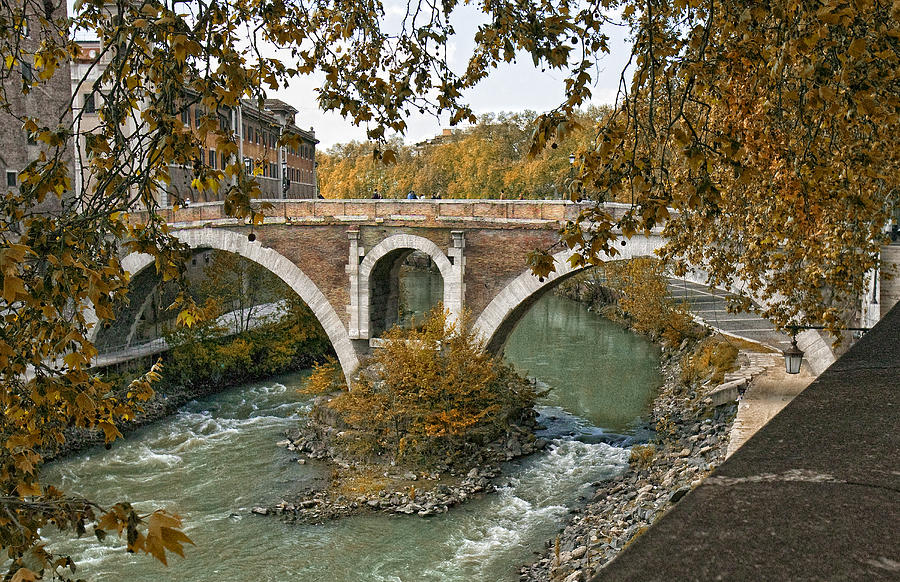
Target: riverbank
{"x":693,"y":419}
{"x":692,"y":438}
{"x":199,"y":366}
{"x":354,"y":490}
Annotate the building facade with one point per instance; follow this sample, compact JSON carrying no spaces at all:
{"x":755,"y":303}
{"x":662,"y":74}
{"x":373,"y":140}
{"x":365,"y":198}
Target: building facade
{"x":47,"y":101}
{"x":282,"y":171}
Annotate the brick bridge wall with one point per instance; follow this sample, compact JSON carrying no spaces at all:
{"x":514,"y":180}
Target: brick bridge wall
{"x":340,"y":255}
{"x":314,"y":236}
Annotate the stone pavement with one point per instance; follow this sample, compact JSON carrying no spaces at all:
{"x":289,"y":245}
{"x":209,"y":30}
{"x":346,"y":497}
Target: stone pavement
{"x":813,"y":495}
{"x":767,"y":394}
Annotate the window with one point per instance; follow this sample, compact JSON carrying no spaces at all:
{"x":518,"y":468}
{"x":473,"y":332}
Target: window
{"x":89,"y":104}
{"x":11,"y":178}
{"x":224,"y":162}
{"x":244,"y":133}
{"x":186,"y":115}
{"x":212,"y":159}
{"x":200,"y":155}
{"x":197,"y":116}
{"x":27,"y":72}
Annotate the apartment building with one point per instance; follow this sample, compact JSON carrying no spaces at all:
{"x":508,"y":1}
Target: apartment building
{"x":282,"y":171}
{"x":47,"y":101}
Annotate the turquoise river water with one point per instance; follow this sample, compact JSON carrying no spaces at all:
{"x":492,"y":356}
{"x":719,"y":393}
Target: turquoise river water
{"x":217,"y":458}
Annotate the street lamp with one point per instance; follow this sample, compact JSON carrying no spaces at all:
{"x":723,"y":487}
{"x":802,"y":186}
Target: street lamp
{"x":793,"y":357}
{"x":571,"y":168}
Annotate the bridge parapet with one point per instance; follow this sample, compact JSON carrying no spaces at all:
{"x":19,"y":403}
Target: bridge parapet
{"x":433,"y":213}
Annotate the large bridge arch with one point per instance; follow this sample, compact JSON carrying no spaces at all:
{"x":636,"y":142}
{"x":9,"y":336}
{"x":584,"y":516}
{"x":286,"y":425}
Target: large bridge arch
{"x":238,"y":243}
{"x":450,"y":268}
{"x":499,"y":318}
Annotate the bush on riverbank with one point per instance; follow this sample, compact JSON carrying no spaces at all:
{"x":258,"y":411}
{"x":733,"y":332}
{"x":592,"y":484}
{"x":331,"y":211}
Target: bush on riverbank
{"x":430,"y":395}
{"x":199,"y":360}
{"x":708,"y":362}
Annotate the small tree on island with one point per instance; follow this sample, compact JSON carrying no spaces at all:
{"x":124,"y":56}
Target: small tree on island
{"x":431,"y":395}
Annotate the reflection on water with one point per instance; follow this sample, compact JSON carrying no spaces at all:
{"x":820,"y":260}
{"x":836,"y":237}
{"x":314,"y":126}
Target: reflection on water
{"x":419,"y":292}
{"x":595,"y":368}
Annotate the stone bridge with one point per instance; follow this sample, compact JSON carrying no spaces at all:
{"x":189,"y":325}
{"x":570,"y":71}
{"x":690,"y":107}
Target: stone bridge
{"x":342,"y":257}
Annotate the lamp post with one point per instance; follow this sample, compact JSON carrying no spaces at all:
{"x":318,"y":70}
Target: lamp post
{"x":571,"y":168}
{"x":793,"y":356}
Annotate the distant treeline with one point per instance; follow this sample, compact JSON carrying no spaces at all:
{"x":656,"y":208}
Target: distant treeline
{"x":486,"y":160}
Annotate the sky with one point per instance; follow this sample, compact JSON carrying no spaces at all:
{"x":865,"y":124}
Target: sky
{"x":510,"y":88}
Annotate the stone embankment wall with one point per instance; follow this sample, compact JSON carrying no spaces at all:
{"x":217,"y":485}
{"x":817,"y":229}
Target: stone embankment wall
{"x":890,"y":279}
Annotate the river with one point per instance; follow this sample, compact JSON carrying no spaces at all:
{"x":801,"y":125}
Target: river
{"x":216,"y":459}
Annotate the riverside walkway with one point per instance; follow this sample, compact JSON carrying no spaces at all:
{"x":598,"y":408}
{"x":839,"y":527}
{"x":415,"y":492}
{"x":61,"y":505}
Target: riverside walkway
{"x":813,"y":495}
{"x":263,"y":314}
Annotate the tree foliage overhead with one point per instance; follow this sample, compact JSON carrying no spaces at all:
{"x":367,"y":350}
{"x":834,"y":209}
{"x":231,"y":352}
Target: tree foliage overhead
{"x":771,"y":127}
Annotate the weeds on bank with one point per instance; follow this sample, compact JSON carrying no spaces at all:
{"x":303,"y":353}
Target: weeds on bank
{"x":358,"y":482}
{"x":708,"y":362}
{"x":642,"y":456}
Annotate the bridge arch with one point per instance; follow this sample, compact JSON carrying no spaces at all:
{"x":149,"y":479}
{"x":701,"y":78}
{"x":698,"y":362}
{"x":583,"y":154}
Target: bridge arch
{"x":375,"y":268}
{"x":237,"y":243}
{"x":499,"y":318}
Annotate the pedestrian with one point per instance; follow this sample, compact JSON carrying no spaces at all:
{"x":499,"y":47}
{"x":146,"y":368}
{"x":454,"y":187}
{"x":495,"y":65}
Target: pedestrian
{"x":411,"y":195}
